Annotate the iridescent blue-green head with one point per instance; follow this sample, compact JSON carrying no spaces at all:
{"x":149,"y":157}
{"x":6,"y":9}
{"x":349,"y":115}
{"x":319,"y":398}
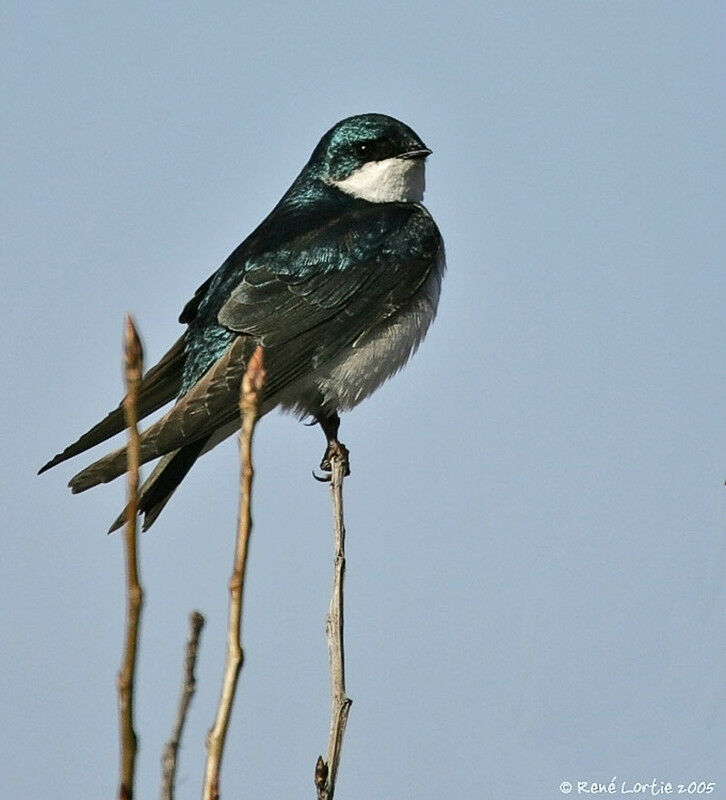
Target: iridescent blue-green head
{"x":373,"y":157}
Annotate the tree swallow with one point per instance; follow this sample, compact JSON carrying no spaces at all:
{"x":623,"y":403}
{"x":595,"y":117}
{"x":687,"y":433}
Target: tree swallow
{"x":339,"y":284}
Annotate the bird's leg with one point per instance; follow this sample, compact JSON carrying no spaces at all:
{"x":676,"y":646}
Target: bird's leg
{"x":335,"y":449}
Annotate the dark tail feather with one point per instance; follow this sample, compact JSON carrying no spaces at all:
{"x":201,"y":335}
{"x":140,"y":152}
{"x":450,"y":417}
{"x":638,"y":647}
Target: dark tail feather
{"x":162,"y":483}
{"x":209,"y":405}
{"x":160,"y":385}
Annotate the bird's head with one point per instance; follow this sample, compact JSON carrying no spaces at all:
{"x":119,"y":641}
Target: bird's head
{"x":372,"y":157}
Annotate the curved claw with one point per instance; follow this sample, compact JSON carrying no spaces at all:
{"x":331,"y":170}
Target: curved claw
{"x":322,"y":478}
{"x":335,"y":450}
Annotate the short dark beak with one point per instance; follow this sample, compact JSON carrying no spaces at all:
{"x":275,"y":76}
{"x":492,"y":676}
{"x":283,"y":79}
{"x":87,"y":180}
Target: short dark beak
{"x":421,"y":152}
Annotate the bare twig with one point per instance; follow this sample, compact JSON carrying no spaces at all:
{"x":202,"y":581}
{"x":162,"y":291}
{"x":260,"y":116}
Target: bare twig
{"x":169,"y":756}
{"x":326,"y":770}
{"x":250,"y":397}
{"x":133,"y":368}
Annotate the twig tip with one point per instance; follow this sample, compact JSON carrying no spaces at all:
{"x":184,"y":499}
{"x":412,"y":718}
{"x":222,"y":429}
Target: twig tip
{"x":255,"y":375}
{"x":321,"y":773}
{"x":133,"y":350}
{"x":197,"y":620}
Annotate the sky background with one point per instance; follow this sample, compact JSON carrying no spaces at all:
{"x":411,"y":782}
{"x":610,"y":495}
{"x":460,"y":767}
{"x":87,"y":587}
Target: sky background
{"x":536,"y":515}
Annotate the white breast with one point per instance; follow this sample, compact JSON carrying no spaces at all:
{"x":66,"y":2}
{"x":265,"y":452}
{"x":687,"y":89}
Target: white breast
{"x":361,"y":368}
{"x":392,"y":180}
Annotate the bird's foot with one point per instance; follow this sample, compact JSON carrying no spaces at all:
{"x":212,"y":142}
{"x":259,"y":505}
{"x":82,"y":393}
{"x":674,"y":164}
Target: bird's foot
{"x":334,"y":452}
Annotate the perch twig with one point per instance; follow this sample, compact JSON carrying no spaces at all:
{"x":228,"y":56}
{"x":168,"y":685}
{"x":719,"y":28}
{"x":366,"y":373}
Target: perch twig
{"x":250,"y":397}
{"x":171,"y":750}
{"x":133,"y":368}
{"x":326,"y":770}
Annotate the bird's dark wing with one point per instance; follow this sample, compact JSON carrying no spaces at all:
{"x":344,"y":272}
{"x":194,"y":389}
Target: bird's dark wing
{"x":190,"y":309}
{"x":308,"y":301}
{"x":305,"y":303}
{"x":160,"y":385}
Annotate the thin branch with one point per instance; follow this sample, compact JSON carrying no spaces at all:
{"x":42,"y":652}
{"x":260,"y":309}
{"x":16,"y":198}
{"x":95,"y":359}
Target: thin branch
{"x":133,"y":368}
{"x":326,"y":771}
{"x":169,"y":756}
{"x":250,"y":397}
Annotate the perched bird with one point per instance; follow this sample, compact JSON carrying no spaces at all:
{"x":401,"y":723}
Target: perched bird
{"x":339,"y":284}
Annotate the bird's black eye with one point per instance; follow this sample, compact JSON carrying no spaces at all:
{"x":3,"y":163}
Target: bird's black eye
{"x":362,"y":148}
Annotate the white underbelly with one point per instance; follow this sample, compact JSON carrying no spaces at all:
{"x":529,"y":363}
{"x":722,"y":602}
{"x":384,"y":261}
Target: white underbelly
{"x":362,"y":367}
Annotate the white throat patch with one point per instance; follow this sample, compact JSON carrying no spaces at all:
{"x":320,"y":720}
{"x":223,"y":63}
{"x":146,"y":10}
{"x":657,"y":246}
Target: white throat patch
{"x":388,"y":181}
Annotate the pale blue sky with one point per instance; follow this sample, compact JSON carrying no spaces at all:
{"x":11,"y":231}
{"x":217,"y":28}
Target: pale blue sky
{"x":536,"y":514}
